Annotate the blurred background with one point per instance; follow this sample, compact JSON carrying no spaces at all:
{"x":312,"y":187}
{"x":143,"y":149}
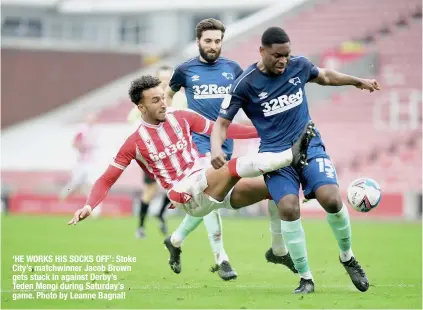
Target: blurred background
{"x":64,"y":61}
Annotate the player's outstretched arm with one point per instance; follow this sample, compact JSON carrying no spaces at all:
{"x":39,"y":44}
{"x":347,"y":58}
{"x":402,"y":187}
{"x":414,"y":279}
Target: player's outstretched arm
{"x":97,"y":194}
{"x":202,"y":125}
{"x":102,"y":186}
{"x":335,"y":78}
{"x":218,"y":136}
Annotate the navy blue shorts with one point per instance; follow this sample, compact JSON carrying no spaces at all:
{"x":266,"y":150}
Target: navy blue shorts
{"x":320,"y":171}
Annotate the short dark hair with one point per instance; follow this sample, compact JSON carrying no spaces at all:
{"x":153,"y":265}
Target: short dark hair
{"x":209,"y":24}
{"x":139,"y":85}
{"x":274,"y":35}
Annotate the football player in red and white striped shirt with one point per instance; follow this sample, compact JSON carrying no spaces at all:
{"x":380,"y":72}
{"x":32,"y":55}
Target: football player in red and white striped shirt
{"x":162,"y":146}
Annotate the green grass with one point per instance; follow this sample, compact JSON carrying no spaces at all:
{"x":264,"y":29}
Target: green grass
{"x":389,"y":252}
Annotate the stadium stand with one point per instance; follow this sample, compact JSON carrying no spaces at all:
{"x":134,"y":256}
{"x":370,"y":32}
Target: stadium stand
{"x":354,"y":124}
{"x":347,"y":120}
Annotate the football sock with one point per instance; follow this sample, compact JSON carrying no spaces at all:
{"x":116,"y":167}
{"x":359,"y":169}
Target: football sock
{"x":188,"y":225}
{"x":278,"y":245}
{"x":294,"y":236}
{"x":257,"y":164}
{"x":213,"y":223}
{"x":341,"y":228}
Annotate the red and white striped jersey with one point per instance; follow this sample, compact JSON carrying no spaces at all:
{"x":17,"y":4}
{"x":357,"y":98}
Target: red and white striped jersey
{"x":165,"y":151}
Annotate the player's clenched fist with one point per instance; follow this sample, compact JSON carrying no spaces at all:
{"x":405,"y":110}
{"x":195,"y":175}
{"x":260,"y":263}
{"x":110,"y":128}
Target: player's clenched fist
{"x":80,"y":214}
{"x":367,"y":84}
{"x":218,"y":160}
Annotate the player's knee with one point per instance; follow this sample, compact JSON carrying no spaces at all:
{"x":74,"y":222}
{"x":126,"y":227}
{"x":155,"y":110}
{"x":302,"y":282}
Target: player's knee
{"x":289,"y":208}
{"x":332,"y":202}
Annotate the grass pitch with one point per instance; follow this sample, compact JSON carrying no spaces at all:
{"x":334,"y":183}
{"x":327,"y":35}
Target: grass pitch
{"x":390,"y":253}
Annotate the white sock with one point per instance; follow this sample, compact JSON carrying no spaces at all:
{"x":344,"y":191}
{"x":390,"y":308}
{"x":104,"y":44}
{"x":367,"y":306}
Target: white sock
{"x":188,"y":225}
{"x":306,"y":275}
{"x":257,"y":164}
{"x":213,"y":223}
{"x":176,"y":239}
{"x":346,"y":256}
{"x":278,"y":245}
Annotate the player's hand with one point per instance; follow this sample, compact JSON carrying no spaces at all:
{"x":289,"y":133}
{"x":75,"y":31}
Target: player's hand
{"x":367,"y":84}
{"x":80,"y":215}
{"x":218,"y":160}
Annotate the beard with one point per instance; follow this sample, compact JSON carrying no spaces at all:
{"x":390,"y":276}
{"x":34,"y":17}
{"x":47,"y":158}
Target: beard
{"x":207,"y":57}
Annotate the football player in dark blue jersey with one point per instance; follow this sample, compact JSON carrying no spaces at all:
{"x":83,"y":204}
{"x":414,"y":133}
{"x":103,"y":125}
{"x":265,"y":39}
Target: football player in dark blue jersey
{"x":206,"y":79}
{"x":271,"y":93}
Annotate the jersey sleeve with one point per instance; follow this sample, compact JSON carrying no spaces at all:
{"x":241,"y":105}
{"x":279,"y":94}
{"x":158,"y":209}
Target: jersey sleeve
{"x":126,"y":153}
{"x":233,"y":101}
{"x":103,"y":184}
{"x":177,"y":80}
{"x":311,"y":69}
{"x":202,"y":125}
{"x":196,"y":121}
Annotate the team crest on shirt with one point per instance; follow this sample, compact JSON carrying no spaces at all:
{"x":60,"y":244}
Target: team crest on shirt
{"x":294,"y":81}
{"x":228,"y":76}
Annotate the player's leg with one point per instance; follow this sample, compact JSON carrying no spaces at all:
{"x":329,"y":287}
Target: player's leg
{"x":217,"y":183}
{"x":174,"y":242}
{"x":221,"y":181}
{"x":212,"y":222}
{"x":214,"y":227}
{"x":278,"y":252}
{"x":149,"y":192}
{"x":160,"y":215}
{"x":283,"y":186}
{"x":321,"y":183}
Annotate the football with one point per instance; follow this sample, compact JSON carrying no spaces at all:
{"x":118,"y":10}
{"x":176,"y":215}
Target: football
{"x":364,"y":194}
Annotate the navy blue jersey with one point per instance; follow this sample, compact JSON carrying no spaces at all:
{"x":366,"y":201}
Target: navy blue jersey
{"x":205,"y":87}
{"x":276,"y":104}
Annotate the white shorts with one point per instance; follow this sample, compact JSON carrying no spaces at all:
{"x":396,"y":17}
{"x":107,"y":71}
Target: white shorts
{"x":189,"y":196}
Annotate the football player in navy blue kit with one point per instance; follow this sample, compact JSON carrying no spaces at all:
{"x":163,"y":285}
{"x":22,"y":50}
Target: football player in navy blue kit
{"x":205,"y":79}
{"x":271,"y":93}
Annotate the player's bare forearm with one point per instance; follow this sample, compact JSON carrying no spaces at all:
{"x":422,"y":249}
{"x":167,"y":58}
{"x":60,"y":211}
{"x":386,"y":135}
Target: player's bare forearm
{"x":219,"y":133}
{"x":235,"y":131}
{"x":334,"y":78}
{"x":169,"y":93}
{"x":218,"y":136}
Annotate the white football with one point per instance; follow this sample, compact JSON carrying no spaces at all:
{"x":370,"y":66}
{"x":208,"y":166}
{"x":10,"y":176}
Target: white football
{"x":364,"y":194}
